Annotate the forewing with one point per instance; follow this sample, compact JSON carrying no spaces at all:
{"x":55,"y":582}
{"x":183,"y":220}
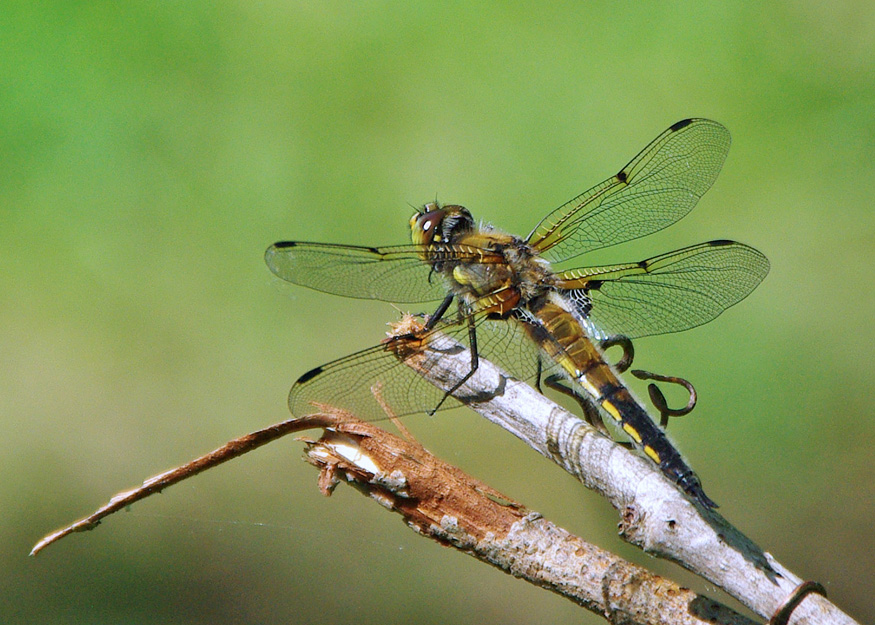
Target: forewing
{"x":656,"y":189}
{"x":392,"y":274}
{"x":667,"y":293}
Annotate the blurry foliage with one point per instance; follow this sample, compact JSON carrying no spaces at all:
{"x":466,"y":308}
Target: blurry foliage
{"x":151,"y":151}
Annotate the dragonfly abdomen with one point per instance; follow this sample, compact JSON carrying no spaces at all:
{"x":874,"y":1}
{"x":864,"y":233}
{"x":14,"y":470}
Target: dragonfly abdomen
{"x":563,"y":338}
{"x":628,"y":414}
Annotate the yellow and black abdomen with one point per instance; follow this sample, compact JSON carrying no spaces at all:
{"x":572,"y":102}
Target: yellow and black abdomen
{"x":564,"y":340}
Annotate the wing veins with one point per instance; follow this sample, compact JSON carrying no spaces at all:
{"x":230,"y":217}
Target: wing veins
{"x":394,"y":274}
{"x":667,"y":293}
{"x":685,"y":160}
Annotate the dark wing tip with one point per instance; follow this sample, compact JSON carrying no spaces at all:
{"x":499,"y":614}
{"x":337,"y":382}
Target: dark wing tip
{"x":274,"y":249}
{"x":681,"y":124}
{"x":312,"y":373}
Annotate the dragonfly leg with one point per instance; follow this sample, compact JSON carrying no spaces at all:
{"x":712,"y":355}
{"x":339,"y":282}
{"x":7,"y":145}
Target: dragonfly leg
{"x":538,"y":371}
{"x":475,"y":360}
{"x":623,"y":342}
{"x":590,"y":412}
{"x":658,"y":398}
{"x":441,"y":309}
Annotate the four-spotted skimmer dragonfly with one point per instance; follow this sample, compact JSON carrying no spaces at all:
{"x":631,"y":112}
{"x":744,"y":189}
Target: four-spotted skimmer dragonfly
{"x":532,"y":320}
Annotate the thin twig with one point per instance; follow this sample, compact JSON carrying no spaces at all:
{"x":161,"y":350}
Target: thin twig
{"x":157,"y":483}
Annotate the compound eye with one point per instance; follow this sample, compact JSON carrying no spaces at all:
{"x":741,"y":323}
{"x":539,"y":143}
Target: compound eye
{"x":425,"y":227}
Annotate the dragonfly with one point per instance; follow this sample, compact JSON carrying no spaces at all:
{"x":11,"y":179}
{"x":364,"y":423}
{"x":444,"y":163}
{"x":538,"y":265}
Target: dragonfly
{"x":500,"y":294}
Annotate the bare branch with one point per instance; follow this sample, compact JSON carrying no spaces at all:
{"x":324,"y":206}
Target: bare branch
{"x":441,"y":502}
{"x":655,"y":515}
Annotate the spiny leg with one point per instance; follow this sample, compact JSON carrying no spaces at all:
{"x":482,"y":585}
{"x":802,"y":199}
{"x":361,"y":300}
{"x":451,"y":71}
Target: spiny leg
{"x":623,"y":342}
{"x":475,"y":361}
{"x":590,"y":412}
{"x":658,"y":398}
{"x":441,"y":309}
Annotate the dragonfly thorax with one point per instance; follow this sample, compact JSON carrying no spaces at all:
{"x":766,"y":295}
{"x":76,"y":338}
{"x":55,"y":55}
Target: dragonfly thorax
{"x":496,"y":272}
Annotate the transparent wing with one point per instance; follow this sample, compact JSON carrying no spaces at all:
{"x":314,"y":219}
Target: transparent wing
{"x":349,"y":383}
{"x":392,"y":274}
{"x":656,"y":189}
{"x":667,"y":293}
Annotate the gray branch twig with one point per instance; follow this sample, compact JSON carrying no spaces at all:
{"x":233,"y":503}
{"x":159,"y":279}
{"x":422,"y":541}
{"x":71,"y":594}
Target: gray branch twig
{"x":443,"y":503}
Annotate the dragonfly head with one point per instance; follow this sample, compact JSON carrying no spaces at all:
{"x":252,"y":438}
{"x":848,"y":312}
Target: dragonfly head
{"x":439,"y":224}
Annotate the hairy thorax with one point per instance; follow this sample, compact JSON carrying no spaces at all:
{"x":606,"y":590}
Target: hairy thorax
{"x":506,"y":274}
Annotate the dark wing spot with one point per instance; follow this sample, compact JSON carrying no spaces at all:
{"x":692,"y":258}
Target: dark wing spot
{"x":622,"y":176}
{"x":681,"y":124}
{"x":720,"y":242}
{"x":594,"y":285}
{"x":284,"y":244}
{"x":312,"y":373}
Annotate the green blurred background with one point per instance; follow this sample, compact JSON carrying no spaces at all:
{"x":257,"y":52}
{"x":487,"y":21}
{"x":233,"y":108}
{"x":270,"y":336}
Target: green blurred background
{"x":151,"y":151}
